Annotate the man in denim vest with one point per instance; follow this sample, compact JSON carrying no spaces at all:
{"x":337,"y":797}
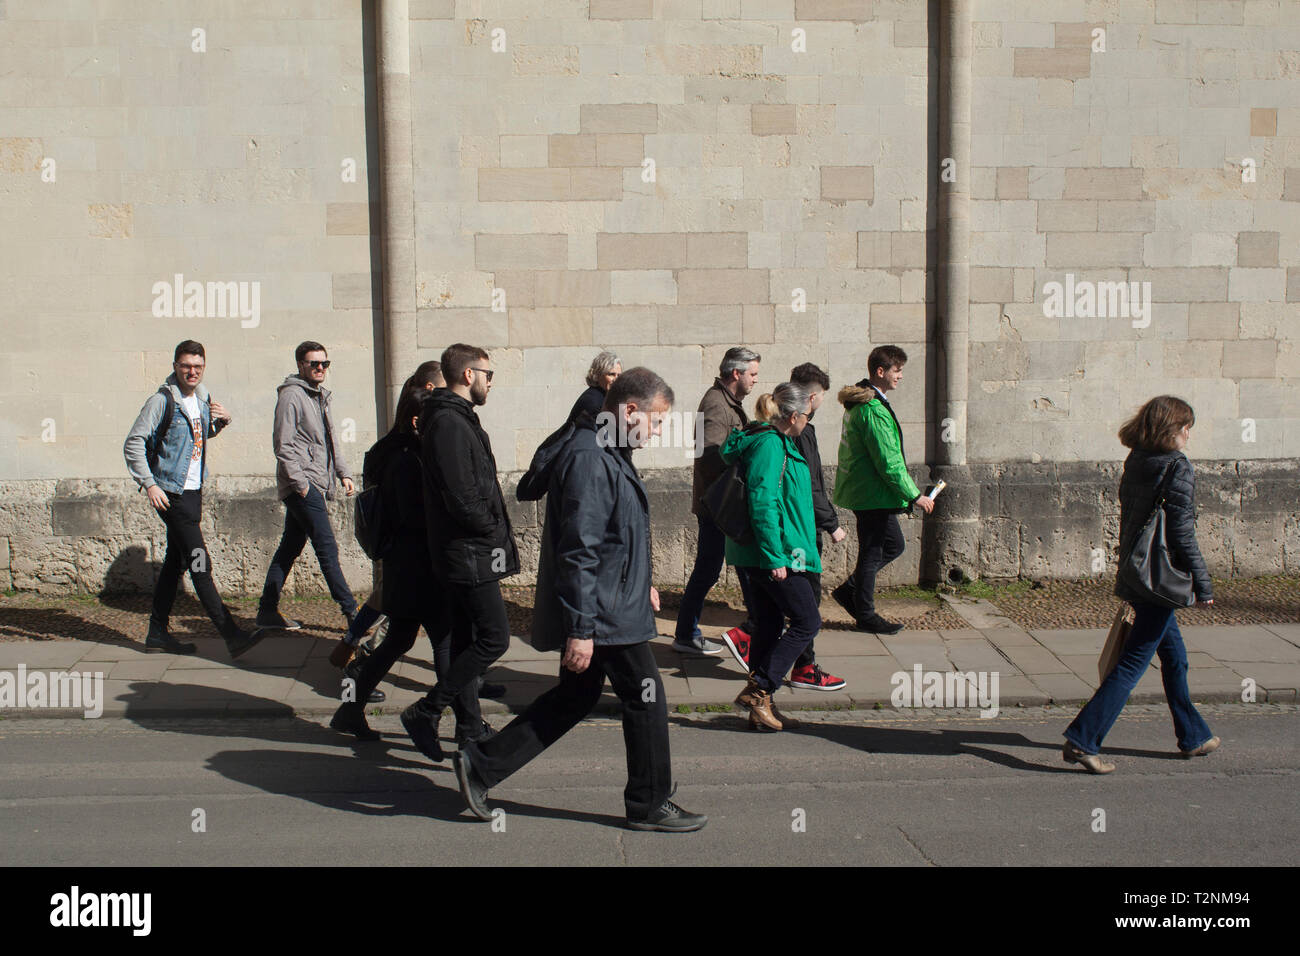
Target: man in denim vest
{"x":169,"y":462}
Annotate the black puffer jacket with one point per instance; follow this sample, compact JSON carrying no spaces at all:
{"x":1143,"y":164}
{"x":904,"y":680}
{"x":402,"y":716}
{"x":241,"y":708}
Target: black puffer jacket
{"x":593,"y":576}
{"x":1137,"y":496}
{"x":470,"y":539}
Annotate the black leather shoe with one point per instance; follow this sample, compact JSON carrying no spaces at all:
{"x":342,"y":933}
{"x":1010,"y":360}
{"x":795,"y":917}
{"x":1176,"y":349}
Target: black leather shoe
{"x":275,"y":621}
{"x":240,"y":641}
{"x":485,"y":732}
{"x":878,"y":625}
{"x":351,"y":719}
{"x":422,"y":724}
{"x":670,"y":818}
{"x":159,"y":639}
{"x":491,"y":691}
{"x":472,"y":787}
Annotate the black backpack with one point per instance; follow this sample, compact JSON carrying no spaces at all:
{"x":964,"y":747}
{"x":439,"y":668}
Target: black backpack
{"x":726,"y":502}
{"x":371,"y":525}
{"x":153,"y":443}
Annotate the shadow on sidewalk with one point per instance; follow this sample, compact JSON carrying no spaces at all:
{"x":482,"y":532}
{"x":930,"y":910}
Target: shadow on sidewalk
{"x":391,"y":778}
{"x":929,"y":742}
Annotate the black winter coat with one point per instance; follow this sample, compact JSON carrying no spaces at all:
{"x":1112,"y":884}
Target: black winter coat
{"x":469,"y":534}
{"x":591,"y":401}
{"x":1137,"y":497}
{"x":824,"y":515}
{"x":593,"y":576}
{"x":393,"y":463}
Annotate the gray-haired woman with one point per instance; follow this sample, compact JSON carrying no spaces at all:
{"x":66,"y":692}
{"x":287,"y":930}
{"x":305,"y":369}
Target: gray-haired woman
{"x":605,"y":368}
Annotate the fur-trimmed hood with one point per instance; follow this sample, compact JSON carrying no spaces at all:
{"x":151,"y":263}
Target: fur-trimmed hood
{"x":851,"y":396}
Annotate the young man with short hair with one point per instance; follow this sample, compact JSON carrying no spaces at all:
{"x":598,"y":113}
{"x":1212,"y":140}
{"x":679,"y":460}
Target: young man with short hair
{"x":167,"y":455}
{"x":872,"y":481}
{"x":308,"y":458}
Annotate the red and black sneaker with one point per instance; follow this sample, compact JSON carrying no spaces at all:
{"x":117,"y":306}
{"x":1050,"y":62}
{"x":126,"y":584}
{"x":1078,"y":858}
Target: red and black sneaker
{"x":812,"y":677}
{"x":737,"y":642}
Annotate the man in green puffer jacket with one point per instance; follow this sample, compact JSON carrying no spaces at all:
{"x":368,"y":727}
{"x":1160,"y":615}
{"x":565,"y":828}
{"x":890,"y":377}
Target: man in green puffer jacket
{"x":872,"y":481}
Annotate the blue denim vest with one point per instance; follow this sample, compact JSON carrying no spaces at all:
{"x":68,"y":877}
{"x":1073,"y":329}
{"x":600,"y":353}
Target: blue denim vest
{"x":178,"y":445}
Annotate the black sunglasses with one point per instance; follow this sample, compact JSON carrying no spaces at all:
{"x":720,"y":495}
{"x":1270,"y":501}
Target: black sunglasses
{"x":486,"y":371}
{"x":320,"y":365}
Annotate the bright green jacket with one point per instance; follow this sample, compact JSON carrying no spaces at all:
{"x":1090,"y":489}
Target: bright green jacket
{"x":872,"y":473}
{"x":780,"y":508}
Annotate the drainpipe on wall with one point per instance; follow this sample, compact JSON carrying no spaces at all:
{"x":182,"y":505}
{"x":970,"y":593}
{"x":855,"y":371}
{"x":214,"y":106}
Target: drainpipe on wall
{"x":951,"y":540}
{"x":397,"y":191}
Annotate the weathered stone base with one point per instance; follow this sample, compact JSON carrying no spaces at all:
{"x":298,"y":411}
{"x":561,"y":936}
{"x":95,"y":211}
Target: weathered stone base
{"x":1003,"y":520}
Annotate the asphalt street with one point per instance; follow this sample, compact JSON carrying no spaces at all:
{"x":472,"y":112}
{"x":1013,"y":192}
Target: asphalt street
{"x":850,"y":787}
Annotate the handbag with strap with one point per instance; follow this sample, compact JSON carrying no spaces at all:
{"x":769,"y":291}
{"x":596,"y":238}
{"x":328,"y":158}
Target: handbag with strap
{"x":1148,"y":569}
{"x":726,"y":502}
{"x":1119,"y":631}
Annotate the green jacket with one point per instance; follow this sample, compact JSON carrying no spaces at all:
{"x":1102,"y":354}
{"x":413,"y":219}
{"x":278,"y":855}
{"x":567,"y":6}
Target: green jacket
{"x":780,"y":508}
{"x":872,"y":473}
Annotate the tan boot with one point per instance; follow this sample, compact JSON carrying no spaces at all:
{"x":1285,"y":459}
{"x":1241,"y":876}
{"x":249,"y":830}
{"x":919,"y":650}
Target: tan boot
{"x":1209,"y":747}
{"x":760,"y":712}
{"x":787,"y":722}
{"x":746,"y":697}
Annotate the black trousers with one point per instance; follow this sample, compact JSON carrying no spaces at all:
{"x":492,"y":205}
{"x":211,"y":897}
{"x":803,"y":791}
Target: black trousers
{"x":480,"y":634}
{"x":400,"y":639}
{"x":879,"y":542}
{"x":634,"y":675}
{"x":187,"y":552}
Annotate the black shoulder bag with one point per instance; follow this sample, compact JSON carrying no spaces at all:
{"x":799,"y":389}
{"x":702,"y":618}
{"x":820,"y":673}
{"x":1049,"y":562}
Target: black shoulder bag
{"x":726,"y":502}
{"x":1149,"y":570}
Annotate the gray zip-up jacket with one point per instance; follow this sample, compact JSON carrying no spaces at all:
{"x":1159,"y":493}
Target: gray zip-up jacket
{"x":302,"y":455}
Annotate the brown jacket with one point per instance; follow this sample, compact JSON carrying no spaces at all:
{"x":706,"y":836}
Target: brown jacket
{"x":720,"y":413}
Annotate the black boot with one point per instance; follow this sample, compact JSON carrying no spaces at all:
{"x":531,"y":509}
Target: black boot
{"x":353,"y":671}
{"x":238,"y":640}
{"x":160,"y":640}
{"x":421,"y":722}
{"x":351,"y":719}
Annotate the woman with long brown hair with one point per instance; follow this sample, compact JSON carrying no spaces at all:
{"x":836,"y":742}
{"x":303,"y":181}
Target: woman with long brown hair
{"x":1156,"y":471}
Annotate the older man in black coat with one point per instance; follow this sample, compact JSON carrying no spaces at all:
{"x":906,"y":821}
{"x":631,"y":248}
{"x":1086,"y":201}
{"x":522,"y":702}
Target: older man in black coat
{"x":595,"y":602}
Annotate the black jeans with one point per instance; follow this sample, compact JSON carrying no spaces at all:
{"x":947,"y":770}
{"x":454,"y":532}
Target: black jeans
{"x":772,"y":652}
{"x":187,"y":552}
{"x":710,"y":552}
{"x":879,"y":542}
{"x":634,"y":675}
{"x":306,"y":517}
{"x":480,"y":634}
{"x":808,"y":658}
{"x":400,"y":639}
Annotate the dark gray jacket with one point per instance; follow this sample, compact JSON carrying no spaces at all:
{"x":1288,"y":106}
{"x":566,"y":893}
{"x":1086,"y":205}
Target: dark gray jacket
{"x":1137,"y":497}
{"x":593,"y":576}
{"x":306,"y":441}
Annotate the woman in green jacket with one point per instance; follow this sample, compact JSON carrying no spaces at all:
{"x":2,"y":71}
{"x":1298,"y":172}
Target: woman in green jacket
{"x":783,"y":552}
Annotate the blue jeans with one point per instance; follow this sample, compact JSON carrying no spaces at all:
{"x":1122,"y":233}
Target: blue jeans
{"x":306,"y":517}
{"x":709,"y":555}
{"x":772,"y":652}
{"x":1155,"y":631}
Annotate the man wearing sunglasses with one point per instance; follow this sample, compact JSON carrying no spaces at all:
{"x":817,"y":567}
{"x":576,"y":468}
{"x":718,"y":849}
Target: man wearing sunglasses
{"x":470,"y":542}
{"x":308,"y":457}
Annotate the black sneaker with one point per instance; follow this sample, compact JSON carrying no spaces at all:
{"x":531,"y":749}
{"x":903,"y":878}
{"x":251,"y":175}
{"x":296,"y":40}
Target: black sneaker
{"x":422,"y":724}
{"x":472,"y":787}
{"x":670,"y":818}
{"x":878,"y":625}
{"x":484,"y":732}
{"x":844,"y":597}
{"x":274,"y":620}
{"x":159,"y":639}
{"x":351,"y":719}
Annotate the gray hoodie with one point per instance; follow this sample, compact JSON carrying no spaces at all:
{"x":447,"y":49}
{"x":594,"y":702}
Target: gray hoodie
{"x":302,"y":454}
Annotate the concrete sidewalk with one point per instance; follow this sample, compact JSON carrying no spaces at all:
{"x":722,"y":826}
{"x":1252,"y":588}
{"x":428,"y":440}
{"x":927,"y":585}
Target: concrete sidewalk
{"x":291,"y":674}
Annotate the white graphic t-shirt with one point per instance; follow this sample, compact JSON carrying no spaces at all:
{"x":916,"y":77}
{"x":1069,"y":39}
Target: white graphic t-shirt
{"x":194,"y":478}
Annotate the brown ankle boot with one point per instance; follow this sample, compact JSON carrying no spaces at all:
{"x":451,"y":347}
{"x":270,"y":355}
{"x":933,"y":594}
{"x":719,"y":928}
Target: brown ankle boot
{"x":787,"y":723}
{"x":746,"y":697}
{"x":760,"y":711}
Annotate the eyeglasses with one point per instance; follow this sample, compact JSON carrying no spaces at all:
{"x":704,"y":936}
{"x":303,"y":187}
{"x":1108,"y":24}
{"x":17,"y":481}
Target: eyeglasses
{"x":190,"y":368}
{"x":320,"y":365}
{"x":486,"y":371}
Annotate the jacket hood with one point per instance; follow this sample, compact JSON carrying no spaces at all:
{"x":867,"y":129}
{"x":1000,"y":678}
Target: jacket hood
{"x":300,"y":382}
{"x":377,"y":458}
{"x":200,"y":390}
{"x":851,"y":396}
{"x":741,"y":440}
